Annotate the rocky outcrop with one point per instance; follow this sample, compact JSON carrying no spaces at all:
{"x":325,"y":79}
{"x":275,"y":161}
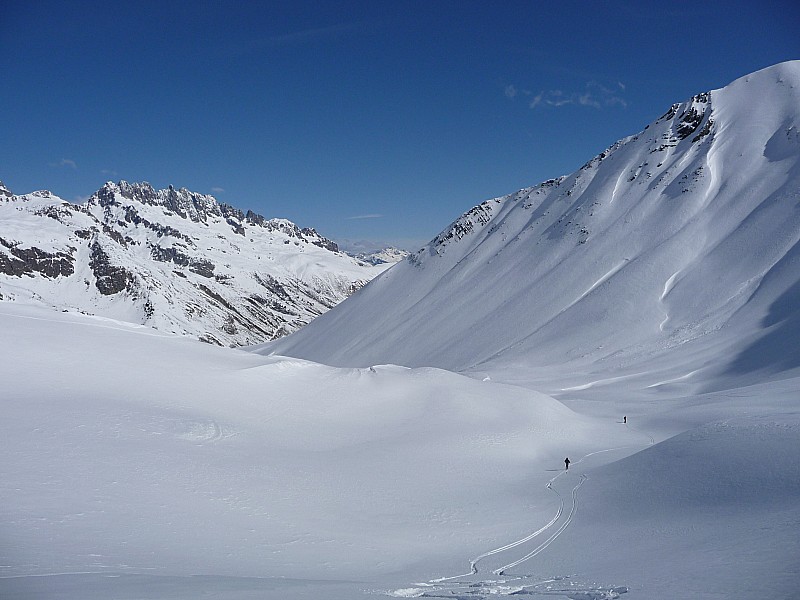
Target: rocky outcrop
{"x":27,"y":261}
{"x":109,"y":279}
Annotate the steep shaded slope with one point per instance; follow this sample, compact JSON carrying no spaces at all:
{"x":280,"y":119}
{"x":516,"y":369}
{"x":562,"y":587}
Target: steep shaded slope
{"x":681,"y":241}
{"x":171,"y":259}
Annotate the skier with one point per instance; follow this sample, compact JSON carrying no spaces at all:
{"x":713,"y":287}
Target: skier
{"x":566,"y":464}
{"x":624,"y":419}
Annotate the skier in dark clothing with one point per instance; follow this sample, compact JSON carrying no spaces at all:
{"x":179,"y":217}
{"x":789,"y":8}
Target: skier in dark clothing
{"x":566,"y":464}
{"x":624,"y":419}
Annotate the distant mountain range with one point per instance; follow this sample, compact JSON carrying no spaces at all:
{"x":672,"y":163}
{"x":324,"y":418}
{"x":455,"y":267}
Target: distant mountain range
{"x":673,"y":256}
{"x":174,"y":260}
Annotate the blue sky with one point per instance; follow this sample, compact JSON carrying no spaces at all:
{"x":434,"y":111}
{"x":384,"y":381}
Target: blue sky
{"x":372,"y":120}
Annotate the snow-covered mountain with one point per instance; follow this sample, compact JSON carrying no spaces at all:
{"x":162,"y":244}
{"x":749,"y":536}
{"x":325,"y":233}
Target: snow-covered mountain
{"x":171,"y":259}
{"x":388,"y":255}
{"x":139,"y":464}
{"x":682,"y":237}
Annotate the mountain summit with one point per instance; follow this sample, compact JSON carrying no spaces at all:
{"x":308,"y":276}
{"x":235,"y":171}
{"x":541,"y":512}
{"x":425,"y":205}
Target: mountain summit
{"x":171,"y":259}
{"x":679,"y":241}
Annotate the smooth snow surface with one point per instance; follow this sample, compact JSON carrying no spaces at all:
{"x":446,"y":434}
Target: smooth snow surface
{"x":141,"y":465}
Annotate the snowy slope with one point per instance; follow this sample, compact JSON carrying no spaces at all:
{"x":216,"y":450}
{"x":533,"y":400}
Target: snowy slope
{"x":172,"y":259}
{"x":680,"y":238}
{"x":125,"y":450}
{"x":135,"y":464}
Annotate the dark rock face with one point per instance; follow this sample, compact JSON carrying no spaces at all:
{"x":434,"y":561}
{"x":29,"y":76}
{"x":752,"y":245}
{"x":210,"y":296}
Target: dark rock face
{"x":169,"y":255}
{"x":132,"y":216}
{"x":230,"y":212}
{"x":255,"y":218}
{"x":690,"y":120}
{"x":110,"y":279}
{"x":26,"y":261}
{"x":198,"y":208}
{"x":318,"y":240}
{"x":202,"y":267}
{"x":477,"y":215}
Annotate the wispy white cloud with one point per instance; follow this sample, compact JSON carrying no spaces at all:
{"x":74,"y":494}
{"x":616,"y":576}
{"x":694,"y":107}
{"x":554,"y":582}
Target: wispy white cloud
{"x":369,"y":216}
{"x":594,"y":94}
{"x":108,"y":172}
{"x":217,"y":190}
{"x":588,"y":100}
{"x":65,"y":162}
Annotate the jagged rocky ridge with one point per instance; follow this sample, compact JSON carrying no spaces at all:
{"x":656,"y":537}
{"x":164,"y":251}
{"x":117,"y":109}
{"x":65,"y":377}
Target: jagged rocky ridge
{"x":171,"y":259}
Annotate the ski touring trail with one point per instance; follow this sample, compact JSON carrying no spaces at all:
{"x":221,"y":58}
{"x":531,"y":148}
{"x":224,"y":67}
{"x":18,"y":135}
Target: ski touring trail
{"x":469,"y":586}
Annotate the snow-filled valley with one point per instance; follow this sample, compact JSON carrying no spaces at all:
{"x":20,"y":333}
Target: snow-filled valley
{"x":142,"y":465}
{"x":647,"y":333}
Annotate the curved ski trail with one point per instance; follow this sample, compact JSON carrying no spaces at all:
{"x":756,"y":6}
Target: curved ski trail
{"x":502,"y":587}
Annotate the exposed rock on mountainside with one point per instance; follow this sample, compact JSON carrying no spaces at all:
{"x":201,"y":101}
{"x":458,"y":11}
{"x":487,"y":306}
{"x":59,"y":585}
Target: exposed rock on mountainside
{"x":171,"y":259}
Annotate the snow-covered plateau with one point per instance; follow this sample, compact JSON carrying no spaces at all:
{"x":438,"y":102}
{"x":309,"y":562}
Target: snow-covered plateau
{"x":639,"y":317}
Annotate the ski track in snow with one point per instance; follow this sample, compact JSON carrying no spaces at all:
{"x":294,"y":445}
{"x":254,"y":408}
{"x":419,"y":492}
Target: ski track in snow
{"x":461,"y":587}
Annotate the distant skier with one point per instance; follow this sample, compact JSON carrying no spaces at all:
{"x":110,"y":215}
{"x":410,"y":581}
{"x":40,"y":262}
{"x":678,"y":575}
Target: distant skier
{"x":624,"y":419}
{"x":566,"y":464}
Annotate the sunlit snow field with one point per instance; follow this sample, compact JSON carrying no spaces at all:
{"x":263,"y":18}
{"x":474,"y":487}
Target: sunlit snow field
{"x":660,"y":355}
{"x":140,"y":465}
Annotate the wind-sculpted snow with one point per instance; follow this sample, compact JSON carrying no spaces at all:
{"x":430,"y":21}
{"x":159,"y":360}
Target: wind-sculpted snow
{"x":172,"y":259}
{"x":136,"y":464}
{"x":672,"y":240}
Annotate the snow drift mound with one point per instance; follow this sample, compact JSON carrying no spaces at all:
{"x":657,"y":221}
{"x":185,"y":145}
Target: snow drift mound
{"x":220,"y":462}
{"x":684,"y":236}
